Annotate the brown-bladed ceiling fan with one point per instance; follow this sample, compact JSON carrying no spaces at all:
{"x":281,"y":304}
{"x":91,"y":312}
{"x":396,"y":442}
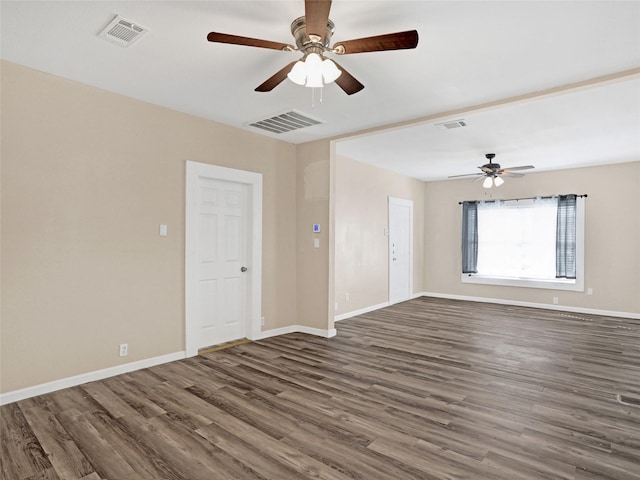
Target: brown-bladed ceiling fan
{"x":492,"y":172}
{"x":312,"y":34}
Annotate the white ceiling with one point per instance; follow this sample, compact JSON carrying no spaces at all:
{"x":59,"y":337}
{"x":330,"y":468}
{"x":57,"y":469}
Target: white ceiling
{"x":469,"y":53}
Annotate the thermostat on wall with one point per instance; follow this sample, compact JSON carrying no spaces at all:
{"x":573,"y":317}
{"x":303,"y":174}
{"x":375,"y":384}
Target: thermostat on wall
{"x":316,"y":228}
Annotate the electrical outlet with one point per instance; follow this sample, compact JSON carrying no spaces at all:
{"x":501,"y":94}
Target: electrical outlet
{"x":124,"y":349}
{"x":262,"y":321}
{"x":589,"y":291}
{"x":346,"y":297}
{"x":555,"y":300}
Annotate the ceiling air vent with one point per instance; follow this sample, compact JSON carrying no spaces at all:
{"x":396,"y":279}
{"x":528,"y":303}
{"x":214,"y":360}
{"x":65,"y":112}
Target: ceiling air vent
{"x":452,"y":124}
{"x":122,"y":32}
{"x":285,"y":122}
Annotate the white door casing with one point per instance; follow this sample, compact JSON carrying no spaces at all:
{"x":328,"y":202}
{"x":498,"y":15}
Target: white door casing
{"x":223,"y":234}
{"x":400,"y":249}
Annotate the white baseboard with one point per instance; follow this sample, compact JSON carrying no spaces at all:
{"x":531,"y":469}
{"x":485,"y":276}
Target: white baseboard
{"x":49,"y":387}
{"x":563,"y":308}
{"x":354,"y":313}
{"x":295,"y":329}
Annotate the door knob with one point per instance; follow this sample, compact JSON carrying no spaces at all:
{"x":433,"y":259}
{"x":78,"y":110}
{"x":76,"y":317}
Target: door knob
{"x":243,"y":269}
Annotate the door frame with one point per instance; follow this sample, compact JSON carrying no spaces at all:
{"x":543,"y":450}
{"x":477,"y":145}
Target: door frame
{"x":405,"y":203}
{"x":253,"y":182}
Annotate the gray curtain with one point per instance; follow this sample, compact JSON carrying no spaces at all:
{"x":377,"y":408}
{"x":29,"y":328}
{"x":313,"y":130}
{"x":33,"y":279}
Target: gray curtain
{"x":566,"y":237}
{"x":469,"y":237}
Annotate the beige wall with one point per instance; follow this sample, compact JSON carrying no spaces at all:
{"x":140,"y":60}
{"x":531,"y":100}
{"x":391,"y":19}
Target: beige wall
{"x":612,"y":235}
{"x":313,"y":267}
{"x":87,"y":177}
{"x":361,"y":248}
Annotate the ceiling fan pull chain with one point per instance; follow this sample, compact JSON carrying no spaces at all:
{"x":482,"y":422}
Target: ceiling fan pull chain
{"x":313,"y":97}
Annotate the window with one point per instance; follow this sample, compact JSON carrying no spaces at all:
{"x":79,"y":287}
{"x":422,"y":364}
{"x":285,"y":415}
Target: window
{"x":525,"y":242}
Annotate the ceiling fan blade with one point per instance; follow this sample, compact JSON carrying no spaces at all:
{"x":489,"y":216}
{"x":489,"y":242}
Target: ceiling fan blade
{"x":481,"y":177}
{"x":486,"y":169}
{"x":467,"y":175}
{"x":347,"y":82}
{"x":523,"y":167}
{"x":249,"y":42}
{"x":390,"y":41}
{"x":316,"y":15}
{"x":276,"y":79}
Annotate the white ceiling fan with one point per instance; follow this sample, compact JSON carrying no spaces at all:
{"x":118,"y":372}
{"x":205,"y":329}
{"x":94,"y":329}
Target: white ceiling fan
{"x":493,"y":172}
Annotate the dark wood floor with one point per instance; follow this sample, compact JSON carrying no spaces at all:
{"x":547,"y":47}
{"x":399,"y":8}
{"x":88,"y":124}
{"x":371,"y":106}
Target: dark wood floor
{"x":427,"y":389}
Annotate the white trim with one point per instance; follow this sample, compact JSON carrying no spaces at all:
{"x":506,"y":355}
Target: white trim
{"x":68,"y":382}
{"x":55,"y":385}
{"x":361,"y":311}
{"x":296,"y":329}
{"x":555,"y":284}
{"x":254,"y":294}
{"x":564,"y":308}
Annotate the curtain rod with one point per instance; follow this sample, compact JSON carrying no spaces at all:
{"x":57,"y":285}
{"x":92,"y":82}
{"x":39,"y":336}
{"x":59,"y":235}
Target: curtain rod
{"x":526,"y":198}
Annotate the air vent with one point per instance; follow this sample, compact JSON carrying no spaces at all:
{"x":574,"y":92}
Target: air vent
{"x":122,"y":32}
{"x":285,"y":122}
{"x":452,"y":124}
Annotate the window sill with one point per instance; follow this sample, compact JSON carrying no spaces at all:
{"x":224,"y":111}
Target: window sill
{"x":556,"y":284}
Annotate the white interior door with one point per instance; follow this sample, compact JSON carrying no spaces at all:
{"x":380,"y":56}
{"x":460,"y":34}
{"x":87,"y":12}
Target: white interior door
{"x":221,"y":261}
{"x":223,"y":255}
{"x":400,"y":249}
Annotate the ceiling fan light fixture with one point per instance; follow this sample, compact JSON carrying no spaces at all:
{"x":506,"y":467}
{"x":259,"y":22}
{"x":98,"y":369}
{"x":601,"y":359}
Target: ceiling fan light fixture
{"x":329,"y":71}
{"x":298,"y":73}
{"x":313,"y":65}
{"x":314,"y":79}
{"x":314,"y":71}
{"x":491,"y":172}
{"x":312,"y":60}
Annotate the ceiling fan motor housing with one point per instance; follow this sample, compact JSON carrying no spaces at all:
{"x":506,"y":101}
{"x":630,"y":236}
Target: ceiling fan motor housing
{"x":491,"y":169}
{"x":311,"y":43}
{"x":495,"y":167}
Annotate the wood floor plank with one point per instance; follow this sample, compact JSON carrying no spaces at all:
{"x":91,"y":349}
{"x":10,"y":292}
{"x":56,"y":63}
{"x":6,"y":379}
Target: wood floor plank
{"x":191,"y":454}
{"x":248,"y":452}
{"x":59,"y":446}
{"x":94,"y":445}
{"x":22,"y":454}
{"x":303,"y":465}
{"x":431,"y":389}
{"x":48,"y":474}
{"x":133,"y":394}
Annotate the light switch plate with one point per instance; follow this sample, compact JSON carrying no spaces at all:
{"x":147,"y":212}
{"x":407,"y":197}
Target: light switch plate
{"x":163,"y":230}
